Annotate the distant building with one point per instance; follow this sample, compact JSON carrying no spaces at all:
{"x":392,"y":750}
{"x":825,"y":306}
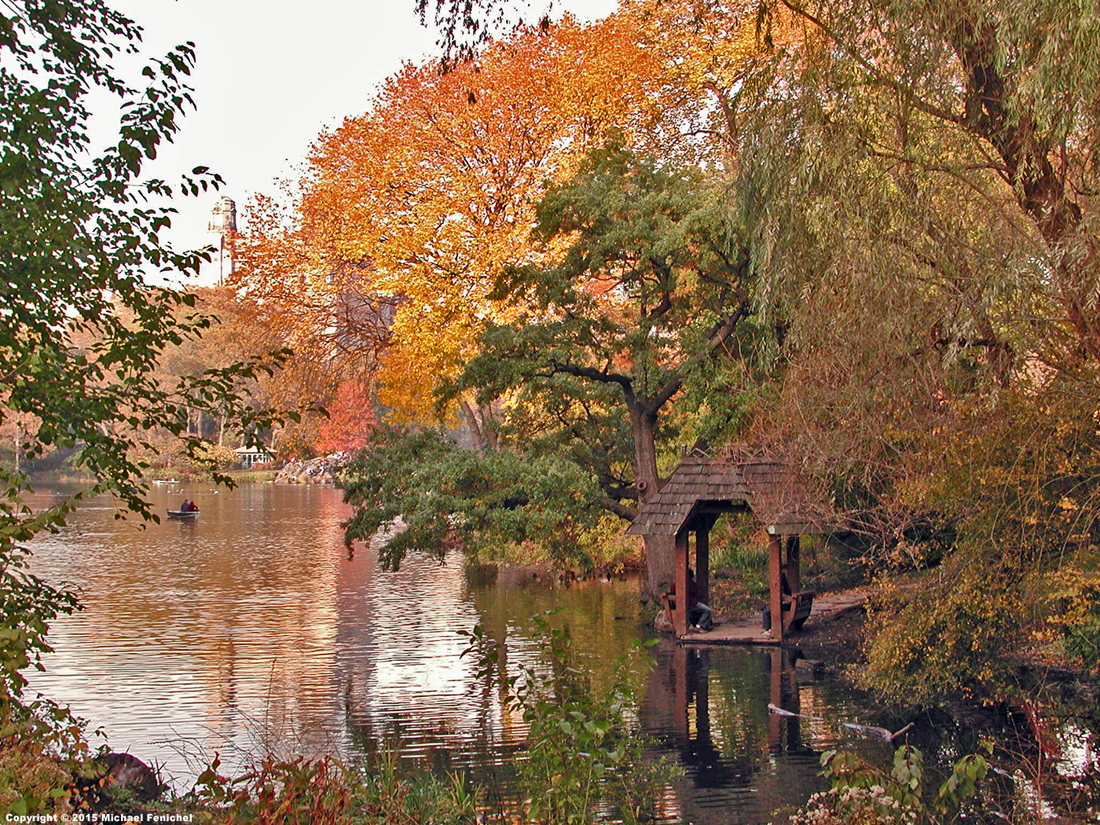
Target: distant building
{"x":251,"y":456}
{"x":223,"y":221}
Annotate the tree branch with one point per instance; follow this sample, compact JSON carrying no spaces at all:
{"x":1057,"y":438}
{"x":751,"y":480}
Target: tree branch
{"x":618,"y":508}
{"x":592,"y":374}
{"x":717,"y":338}
{"x":869,"y":67}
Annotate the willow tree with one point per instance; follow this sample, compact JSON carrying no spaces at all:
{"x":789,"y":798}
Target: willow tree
{"x":919,"y":179}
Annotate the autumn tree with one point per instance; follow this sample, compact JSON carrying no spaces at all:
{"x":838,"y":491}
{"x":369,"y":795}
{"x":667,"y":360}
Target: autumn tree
{"x":236,"y":331}
{"x":350,"y":419}
{"x":423,"y":200}
{"x":610,"y":426}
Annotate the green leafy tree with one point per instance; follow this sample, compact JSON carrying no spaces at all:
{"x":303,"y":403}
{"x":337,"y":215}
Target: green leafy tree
{"x":445,"y":497}
{"x":653,"y":292}
{"x":80,"y":329}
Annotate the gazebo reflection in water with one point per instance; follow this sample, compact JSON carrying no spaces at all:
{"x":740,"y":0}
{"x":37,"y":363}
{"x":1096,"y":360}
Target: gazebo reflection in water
{"x":707,"y":709}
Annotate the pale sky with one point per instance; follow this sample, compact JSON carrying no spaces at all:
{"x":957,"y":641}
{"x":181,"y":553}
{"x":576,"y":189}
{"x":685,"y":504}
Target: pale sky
{"x":271,"y":75}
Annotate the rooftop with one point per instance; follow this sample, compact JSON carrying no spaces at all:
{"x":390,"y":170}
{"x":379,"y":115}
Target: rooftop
{"x":775,"y":494}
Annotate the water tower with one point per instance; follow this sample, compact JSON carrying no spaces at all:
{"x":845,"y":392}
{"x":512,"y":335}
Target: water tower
{"x":223,"y":221}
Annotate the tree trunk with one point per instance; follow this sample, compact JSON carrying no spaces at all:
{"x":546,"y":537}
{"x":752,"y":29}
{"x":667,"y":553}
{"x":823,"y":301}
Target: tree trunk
{"x":488,"y":431}
{"x":480,"y":423}
{"x":659,"y":550}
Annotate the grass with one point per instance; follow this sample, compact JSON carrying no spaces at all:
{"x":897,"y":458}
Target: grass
{"x":253,"y":476}
{"x":739,"y":569}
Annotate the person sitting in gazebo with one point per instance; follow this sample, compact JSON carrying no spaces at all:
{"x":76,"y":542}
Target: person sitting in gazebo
{"x":698,"y":613}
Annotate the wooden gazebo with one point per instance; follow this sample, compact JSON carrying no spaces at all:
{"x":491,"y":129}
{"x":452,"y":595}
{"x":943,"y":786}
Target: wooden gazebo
{"x":705,"y":486}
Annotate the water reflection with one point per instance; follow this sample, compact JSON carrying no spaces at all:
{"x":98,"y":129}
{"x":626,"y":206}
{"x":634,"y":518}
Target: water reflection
{"x":708,"y":709}
{"x":217,"y":630}
{"x":250,"y":629}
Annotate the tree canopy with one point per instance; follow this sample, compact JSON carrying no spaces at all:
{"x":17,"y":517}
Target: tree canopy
{"x":914,"y":187}
{"x":652,"y":289}
{"x":423,"y":200}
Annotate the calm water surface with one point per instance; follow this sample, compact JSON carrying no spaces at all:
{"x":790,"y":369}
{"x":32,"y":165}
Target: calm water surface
{"x":251,"y":630}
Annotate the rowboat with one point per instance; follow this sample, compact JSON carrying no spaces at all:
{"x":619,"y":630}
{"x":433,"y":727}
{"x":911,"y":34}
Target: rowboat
{"x":184,"y":515}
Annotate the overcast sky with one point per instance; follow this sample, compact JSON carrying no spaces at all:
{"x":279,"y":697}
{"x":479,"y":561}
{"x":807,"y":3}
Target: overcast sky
{"x":271,"y":75}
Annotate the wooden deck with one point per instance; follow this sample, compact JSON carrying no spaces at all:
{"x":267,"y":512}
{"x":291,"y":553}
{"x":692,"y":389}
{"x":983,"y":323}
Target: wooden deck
{"x":747,"y":630}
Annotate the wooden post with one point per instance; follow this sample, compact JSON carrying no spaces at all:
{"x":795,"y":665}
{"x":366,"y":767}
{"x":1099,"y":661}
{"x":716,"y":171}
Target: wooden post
{"x":793,"y":575}
{"x":702,"y":559}
{"x":775,"y":565}
{"x":680,"y":614}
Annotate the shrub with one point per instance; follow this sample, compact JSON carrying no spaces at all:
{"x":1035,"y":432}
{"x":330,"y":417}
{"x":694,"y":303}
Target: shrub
{"x":862,"y":794}
{"x":951,"y":639}
{"x":1077,"y":616}
{"x":326,"y":791}
{"x":42,"y":751}
{"x":854,"y":806}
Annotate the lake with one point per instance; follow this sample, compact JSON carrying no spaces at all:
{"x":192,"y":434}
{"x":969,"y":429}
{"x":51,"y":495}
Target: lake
{"x":250,"y":630}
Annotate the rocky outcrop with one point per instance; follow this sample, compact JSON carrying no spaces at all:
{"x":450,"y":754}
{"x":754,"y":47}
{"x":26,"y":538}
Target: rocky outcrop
{"x":313,"y":471}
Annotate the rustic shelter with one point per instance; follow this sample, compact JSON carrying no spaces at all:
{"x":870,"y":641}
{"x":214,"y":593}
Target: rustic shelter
{"x":702,"y":488}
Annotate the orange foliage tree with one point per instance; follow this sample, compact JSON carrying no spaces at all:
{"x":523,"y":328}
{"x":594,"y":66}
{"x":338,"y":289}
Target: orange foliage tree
{"x":406,"y":214}
{"x":351,"y":419}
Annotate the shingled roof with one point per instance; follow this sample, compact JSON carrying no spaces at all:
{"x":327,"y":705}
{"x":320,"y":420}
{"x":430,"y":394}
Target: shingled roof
{"x":771,"y":490}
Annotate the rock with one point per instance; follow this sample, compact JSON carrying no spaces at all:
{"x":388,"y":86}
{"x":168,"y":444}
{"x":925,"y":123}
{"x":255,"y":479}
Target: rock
{"x":314,"y":471}
{"x":661,"y":623}
{"x":126,"y":771}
